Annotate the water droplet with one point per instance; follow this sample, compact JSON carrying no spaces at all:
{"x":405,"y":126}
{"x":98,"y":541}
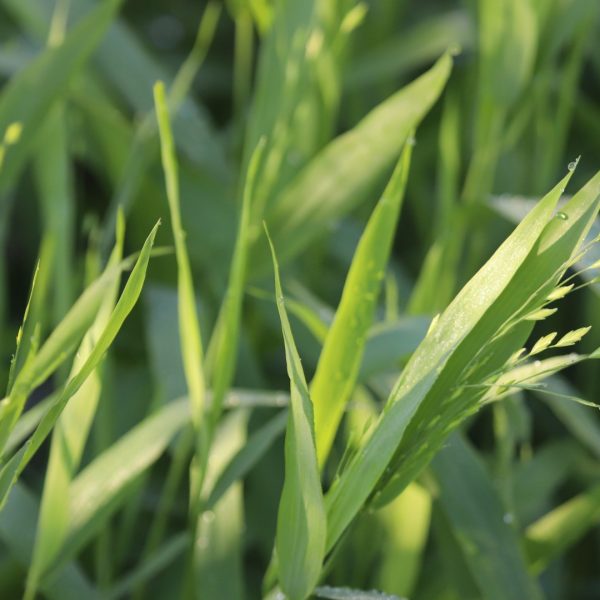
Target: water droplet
{"x":508,"y":518}
{"x":562,"y":216}
{"x":411,"y":141}
{"x":208,"y":517}
{"x":573,"y":164}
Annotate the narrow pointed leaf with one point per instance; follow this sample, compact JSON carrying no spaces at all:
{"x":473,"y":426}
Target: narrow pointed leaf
{"x":301,"y":524}
{"x":338,"y":367}
{"x":338,"y":177}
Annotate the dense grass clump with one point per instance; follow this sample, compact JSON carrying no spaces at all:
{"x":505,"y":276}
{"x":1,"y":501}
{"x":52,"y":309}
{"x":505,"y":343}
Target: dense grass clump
{"x":358,"y":359}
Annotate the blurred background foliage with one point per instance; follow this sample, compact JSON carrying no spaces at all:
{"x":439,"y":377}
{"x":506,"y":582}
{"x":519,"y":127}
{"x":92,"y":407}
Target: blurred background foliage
{"x":523,"y":101}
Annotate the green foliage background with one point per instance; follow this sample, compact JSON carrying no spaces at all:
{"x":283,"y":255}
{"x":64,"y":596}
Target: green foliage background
{"x":161,"y":438}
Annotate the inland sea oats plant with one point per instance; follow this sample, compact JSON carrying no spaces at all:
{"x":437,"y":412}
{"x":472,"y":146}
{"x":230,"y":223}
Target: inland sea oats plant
{"x":358,"y":360}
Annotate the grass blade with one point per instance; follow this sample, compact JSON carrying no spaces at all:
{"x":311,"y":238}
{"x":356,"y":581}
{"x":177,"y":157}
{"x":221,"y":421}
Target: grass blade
{"x":458,"y":335}
{"x":48,"y":75}
{"x":301,"y":522}
{"x":12,"y":469}
{"x":69,"y":436}
{"x":477,"y":517}
{"x":56,"y":349}
{"x":555,"y":532}
{"x":224,"y":340}
{"x":239,"y":465}
{"x":337,"y":178}
{"x":102,"y":486}
{"x":17,"y":531}
{"x":339,"y":363}
{"x":189,"y":328}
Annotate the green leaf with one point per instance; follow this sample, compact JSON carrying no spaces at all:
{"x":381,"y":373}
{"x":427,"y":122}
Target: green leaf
{"x":189,"y":328}
{"x":289,"y":76}
{"x":69,"y":436}
{"x":219,"y":538}
{"x":253,"y":450}
{"x":159,"y":560}
{"x":101,"y":487}
{"x":56,"y":349}
{"x":411,"y":49}
{"x":406,"y":521}
{"x":551,"y":535}
{"x":30,"y":95}
{"x":477,"y":517}
{"x":54,"y":176}
{"x":224,"y":340}
{"x":301,"y":523}
{"x":493,"y":296}
{"x":339,"y":362}
{"x":537,"y":479}
{"x":389,"y":343}
{"x":12,"y":469}
{"x":336,"y":180}
{"x":506,"y":67}
{"x":17,"y":531}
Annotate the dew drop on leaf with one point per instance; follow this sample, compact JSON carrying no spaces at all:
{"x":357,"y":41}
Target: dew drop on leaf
{"x":562,"y":216}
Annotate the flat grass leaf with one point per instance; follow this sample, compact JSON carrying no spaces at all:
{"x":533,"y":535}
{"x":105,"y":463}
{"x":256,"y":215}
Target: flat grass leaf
{"x":224,"y":341}
{"x":546,"y":263}
{"x":301,"y":523}
{"x":99,"y":489}
{"x":411,"y":49}
{"x":17,"y":532}
{"x":475,"y":513}
{"x":27,"y":422}
{"x":513,"y":208}
{"x":56,"y":349}
{"x":407,"y":523}
{"x":356,"y":484}
{"x":296,"y":66}
{"x":506,"y":67}
{"x":218,"y":547}
{"x":158,"y":561}
{"x":389,"y":343}
{"x":189,"y":328}
{"x":253,"y":450}
{"x":551,"y":535}
{"x":29,"y":95}
{"x":339,"y":362}
{"x":538,"y":479}
{"x":340,"y":174}
{"x":54,"y":176}
{"x":24,"y":336}
{"x":12,"y":469}
{"x":69,"y":436}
